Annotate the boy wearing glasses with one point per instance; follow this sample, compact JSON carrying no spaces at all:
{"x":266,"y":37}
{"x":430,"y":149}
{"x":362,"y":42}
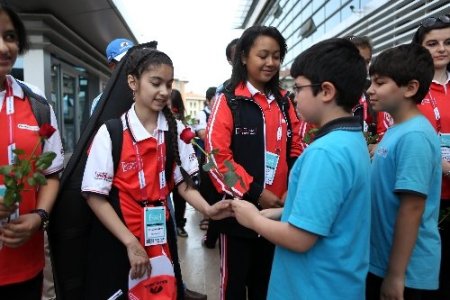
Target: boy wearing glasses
{"x":406,"y":179}
{"x":323,"y":237}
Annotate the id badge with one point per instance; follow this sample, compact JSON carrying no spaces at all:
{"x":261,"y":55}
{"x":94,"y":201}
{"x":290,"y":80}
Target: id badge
{"x":155,"y":225}
{"x":445,"y":146}
{"x":271,"y":166}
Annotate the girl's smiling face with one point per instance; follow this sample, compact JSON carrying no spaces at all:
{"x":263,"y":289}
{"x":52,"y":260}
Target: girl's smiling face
{"x":152,"y":90}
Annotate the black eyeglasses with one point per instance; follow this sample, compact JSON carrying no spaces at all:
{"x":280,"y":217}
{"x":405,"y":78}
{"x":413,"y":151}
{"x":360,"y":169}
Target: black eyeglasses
{"x":429,"y":22}
{"x":298,"y":88}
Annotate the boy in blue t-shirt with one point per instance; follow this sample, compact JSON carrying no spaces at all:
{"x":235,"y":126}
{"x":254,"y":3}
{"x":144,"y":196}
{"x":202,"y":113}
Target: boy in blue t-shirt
{"x":406,"y":179}
{"x":323,"y":238}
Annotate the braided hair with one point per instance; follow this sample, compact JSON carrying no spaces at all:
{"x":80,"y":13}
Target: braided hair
{"x":141,"y":59}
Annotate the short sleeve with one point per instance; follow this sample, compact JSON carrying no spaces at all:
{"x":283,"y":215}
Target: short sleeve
{"x":54,"y":144}
{"x":319,"y":193}
{"x":99,"y":169}
{"x":188,"y":158}
{"x":201,"y":121}
{"x":415,"y":157}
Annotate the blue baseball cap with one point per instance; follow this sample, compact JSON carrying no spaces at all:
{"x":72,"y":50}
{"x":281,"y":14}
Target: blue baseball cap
{"x":117,"y":49}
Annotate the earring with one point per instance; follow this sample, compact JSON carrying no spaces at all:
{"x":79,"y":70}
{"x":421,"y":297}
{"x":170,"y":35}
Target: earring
{"x":134,"y":95}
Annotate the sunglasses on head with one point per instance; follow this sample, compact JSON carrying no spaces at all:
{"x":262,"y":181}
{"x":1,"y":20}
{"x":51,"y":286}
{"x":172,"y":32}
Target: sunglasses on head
{"x":429,"y":22}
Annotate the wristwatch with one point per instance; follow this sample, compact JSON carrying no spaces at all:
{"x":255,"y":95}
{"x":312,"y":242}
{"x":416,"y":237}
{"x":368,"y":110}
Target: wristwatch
{"x":44,"y":217}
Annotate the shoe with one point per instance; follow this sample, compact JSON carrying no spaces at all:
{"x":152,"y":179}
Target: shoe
{"x":181,"y":232}
{"x":191,"y":295}
{"x":206,"y":244}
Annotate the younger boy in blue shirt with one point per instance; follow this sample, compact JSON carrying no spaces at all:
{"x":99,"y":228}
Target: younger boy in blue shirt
{"x":323,"y":238}
{"x":406,"y":179}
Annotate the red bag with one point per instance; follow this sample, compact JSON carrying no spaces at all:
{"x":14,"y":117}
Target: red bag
{"x":160,"y":287}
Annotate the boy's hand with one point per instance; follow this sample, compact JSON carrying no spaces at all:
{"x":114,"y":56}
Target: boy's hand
{"x":245,"y":212}
{"x":272,"y":213}
{"x":220,"y":210}
{"x":392,"y":288}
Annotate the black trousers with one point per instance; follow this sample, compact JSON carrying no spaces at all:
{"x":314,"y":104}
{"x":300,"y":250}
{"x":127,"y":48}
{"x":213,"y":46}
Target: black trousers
{"x":180,"y":209}
{"x":373,"y":286}
{"x":246,"y":264}
{"x":27,"y":290}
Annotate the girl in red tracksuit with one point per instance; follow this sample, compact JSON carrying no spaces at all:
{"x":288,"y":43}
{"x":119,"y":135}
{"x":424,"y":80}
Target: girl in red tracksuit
{"x":434,"y":35}
{"x":259,"y":136}
{"x":139,"y":187}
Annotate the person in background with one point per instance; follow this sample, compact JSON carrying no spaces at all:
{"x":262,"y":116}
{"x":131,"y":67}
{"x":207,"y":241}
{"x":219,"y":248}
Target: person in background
{"x":115,"y":51}
{"x":266,"y":123}
{"x":405,"y":247}
{"x":22,"y":254}
{"x":177,"y":107}
{"x":434,"y":34}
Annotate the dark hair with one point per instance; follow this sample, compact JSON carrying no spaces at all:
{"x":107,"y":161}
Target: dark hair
{"x":239,"y":74}
{"x":19,"y":27}
{"x":141,"y":59}
{"x":425,"y":27}
{"x":210,"y":93}
{"x":176,"y":101}
{"x":405,"y":63}
{"x":360,"y":41}
{"x":337,"y":61}
{"x":229,"y":49}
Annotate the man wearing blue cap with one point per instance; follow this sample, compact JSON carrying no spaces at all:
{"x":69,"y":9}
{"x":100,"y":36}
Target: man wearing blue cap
{"x":114,"y":53}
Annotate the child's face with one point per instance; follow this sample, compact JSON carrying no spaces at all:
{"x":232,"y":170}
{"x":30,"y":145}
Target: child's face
{"x":437,"y":41}
{"x":385,"y":94}
{"x":263,"y":61}
{"x":308,"y":105}
{"x":154,"y":87}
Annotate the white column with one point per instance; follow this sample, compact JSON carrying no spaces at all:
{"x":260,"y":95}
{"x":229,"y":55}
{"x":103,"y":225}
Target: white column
{"x":34,"y":68}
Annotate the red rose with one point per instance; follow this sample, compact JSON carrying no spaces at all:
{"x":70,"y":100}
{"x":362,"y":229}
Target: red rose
{"x":46,"y":130}
{"x":187,"y":135}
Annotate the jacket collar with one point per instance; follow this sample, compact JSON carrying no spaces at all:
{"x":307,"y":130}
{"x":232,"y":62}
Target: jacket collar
{"x":345,"y":123}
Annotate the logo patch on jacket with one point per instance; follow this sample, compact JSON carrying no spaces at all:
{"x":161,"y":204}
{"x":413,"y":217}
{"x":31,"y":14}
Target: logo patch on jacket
{"x":28,"y":127}
{"x":245,"y":131}
{"x":128,"y":166}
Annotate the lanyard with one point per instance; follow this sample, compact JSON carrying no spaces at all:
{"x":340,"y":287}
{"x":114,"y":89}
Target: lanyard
{"x":279,"y":133}
{"x":437,"y":115}
{"x":161,"y":165}
{"x":9,"y":101}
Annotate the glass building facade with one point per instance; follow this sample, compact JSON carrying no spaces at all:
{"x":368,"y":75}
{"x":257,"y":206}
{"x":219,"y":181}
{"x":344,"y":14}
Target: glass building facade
{"x":306,"y":22}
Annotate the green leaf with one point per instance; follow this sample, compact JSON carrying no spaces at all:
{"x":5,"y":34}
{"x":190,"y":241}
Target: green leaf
{"x":242,"y":183}
{"x":18,"y":174}
{"x":208,"y":166}
{"x":31,"y":181}
{"x":39,"y":178}
{"x":230,"y":178}
{"x":11,"y":197}
{"x":5,"y":170}
{"x":229,"y":165}
{"x":10,"y":181}
{"x":18,"y":151}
